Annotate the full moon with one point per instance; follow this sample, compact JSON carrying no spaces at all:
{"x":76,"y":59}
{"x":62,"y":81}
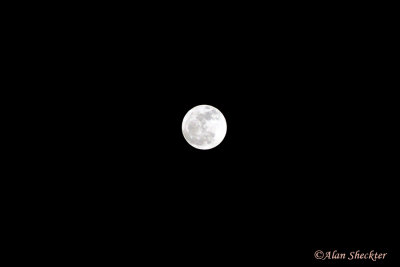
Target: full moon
{"x":204,"y":127}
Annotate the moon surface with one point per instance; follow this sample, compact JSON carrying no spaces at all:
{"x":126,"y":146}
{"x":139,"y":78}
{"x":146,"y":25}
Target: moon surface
{"x":204,"y":127}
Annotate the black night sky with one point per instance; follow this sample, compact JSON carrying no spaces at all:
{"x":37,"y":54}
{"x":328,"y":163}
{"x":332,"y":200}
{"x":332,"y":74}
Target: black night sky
{"x":306,"y":163}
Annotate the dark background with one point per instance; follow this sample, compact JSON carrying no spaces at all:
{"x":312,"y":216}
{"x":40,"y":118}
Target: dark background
{"x":307,"y":162}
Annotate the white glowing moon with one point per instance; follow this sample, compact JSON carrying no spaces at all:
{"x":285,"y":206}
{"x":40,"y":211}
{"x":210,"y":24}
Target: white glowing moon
{"x":204,"y":127}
